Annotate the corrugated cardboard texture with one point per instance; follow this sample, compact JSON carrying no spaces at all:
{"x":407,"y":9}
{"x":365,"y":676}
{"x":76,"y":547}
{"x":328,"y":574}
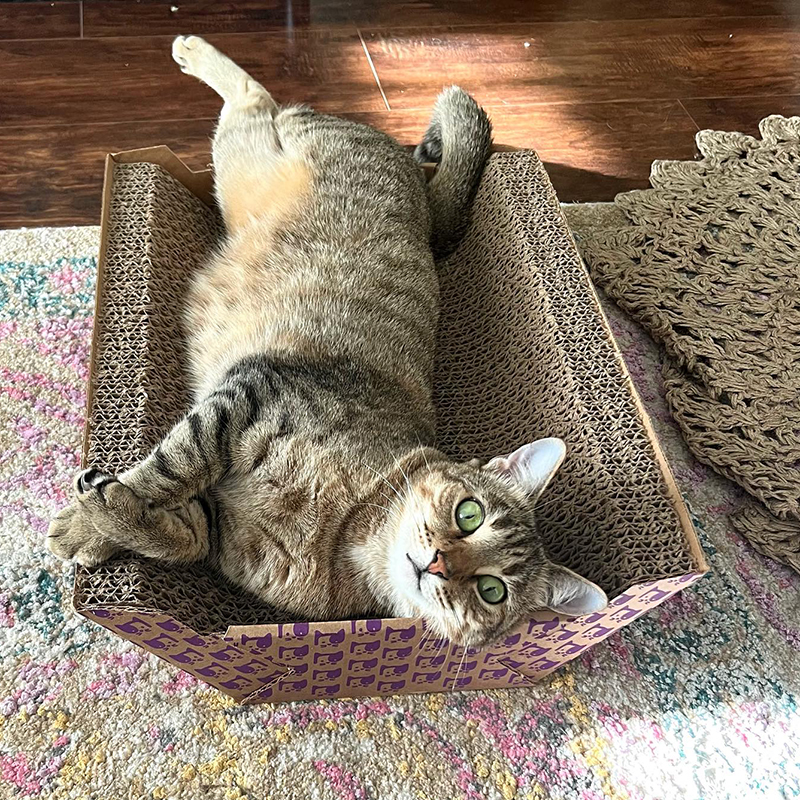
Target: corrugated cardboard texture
{"x":519,"y":313}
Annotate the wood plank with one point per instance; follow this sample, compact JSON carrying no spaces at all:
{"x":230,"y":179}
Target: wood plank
{"x":36,"y":20}
{"x":113,"y":80}
{"x":422,"y":13}
{"x":572,"y":62}
{"x":151,"y":17}
{"x":52,"y":175}
{"x":592,"y":150}
{"x":740,"y":113}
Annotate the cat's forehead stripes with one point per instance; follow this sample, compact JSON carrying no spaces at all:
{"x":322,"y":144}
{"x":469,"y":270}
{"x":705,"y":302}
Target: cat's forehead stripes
{"x":503,"y":522}
{"x":515,"y":568}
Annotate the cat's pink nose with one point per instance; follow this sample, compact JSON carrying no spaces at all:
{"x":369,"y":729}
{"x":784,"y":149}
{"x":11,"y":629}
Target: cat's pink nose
{"x":437,"y":566}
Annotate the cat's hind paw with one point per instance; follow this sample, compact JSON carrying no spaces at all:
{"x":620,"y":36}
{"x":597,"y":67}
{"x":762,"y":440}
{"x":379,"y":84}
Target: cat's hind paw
{"x":188,"y":52}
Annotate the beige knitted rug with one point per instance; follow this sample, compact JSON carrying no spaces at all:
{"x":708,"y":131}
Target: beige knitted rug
{"x":708,"y":261}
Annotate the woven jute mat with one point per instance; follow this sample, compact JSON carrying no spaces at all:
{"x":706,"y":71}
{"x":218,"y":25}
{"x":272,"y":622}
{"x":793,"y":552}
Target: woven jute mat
{"x":708,"y":261}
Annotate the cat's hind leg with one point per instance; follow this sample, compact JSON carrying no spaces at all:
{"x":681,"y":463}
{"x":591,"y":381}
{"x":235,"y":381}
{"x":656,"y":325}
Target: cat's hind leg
{"x":239,"y":91}
{"x":256,"y":176}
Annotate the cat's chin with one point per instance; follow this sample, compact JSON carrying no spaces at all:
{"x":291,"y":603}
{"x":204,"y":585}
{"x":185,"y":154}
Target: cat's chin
{"x":405,"y":610}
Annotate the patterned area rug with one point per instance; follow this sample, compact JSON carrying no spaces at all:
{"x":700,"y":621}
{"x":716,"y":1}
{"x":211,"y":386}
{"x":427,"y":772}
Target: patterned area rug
{"x":696,"y":700}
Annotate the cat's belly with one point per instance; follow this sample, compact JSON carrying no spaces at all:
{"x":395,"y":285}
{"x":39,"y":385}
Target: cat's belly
{"x":280,"y":544}
{"x":267,"y":546}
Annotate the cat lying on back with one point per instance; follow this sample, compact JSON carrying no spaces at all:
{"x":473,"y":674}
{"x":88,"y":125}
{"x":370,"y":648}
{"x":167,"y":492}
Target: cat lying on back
{"x":306,"y":469}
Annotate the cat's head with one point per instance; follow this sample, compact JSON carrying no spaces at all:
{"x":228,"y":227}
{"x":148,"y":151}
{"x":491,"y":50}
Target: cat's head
{"x":464,"y":552}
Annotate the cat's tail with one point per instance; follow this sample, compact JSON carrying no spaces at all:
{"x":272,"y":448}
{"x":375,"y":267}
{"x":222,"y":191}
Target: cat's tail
{"x":458,"y":140}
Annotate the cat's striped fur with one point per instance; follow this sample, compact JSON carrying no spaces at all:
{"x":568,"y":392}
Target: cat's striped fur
{"x":306,"y":468}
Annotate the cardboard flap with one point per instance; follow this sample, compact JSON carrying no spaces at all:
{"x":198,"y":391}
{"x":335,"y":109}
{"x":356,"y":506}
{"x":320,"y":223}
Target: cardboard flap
{"x":199,"y":183}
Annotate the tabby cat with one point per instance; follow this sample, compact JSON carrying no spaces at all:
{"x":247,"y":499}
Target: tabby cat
{"x":306,"y":469}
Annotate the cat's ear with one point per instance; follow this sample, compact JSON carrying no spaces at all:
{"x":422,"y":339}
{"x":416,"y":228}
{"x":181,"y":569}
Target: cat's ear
{"x":532,"y":466}
{"x":570,"y":594}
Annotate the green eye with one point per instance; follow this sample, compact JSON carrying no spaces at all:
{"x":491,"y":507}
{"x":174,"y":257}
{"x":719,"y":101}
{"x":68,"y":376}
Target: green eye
{"x":469,"y":515}
{"x":491,"y":589}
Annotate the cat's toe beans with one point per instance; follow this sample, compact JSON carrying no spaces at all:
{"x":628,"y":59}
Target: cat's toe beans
{"x":94,"y":554}
{"x":179,"y":49}
{"x":61,"y":518}
{"x":59,"y":543}
{"x":182,"y":50}
{"x":192,"y":42}
{"x":124,"y":502}
{"x":55,"y":547}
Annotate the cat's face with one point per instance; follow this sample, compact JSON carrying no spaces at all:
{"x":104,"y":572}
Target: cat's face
{"x":464,"y":552}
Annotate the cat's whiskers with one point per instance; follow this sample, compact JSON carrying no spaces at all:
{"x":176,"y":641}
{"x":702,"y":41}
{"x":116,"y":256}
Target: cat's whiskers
{"x":460,"y":666}
{"x":424,"y":456}
{"x":372,"y":505}
{"x":440,"y":641}
{"x":551,"y":502}
{"x":459,"y":615}
{"x":424,"y":639}
{"x":412,"y":493}
{"x":385,"y":480}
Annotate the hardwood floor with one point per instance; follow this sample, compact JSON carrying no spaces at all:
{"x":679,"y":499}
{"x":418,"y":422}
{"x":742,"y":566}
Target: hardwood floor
{"x":600,"y":88}
{"x":42,"y":20}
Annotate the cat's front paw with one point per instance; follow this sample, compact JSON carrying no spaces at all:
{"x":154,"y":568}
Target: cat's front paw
{"x":77,"y":533}
{"x":73,"y":537}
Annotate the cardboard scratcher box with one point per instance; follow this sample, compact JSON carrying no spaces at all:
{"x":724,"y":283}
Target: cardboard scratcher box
{"x":524,"y":351}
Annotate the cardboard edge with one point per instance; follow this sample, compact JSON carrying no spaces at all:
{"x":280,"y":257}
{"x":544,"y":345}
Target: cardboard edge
{"x":686,"y":581}
{"x":235,"y":632}
{"x":200,"y":183}
{"x":105,"y":211}
{"x":190,"y":668}
{"x":87,"y":610}
{"x":699,"y":563}
{"x":555,"y":649}
{"x":666,"y":587}
{"x":674,"y":492}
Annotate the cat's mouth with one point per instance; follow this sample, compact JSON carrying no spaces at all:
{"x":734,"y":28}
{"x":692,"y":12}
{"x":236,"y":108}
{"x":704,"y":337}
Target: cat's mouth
{"x":417,"y":572}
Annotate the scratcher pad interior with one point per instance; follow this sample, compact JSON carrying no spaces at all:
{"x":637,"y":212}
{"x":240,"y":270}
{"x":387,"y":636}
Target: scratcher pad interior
{"x":518,"y":310}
